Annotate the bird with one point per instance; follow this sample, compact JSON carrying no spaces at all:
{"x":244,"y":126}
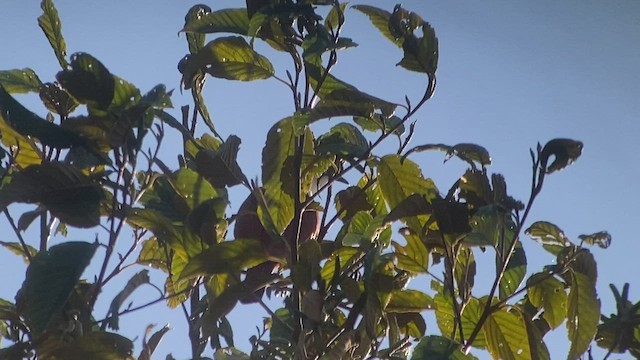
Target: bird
{"x":248,"y":226}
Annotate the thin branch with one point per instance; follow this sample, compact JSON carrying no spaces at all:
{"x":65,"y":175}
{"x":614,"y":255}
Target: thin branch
{"x":25,"y":248}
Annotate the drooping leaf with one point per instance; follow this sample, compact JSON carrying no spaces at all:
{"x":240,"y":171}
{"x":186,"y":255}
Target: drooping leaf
{"x":414,"y":257}
{"x":549,"y":235}
{"x":420,"y":53}
{"x":50,"y":279}
{"x":148,"y":347}
{"x":230,"y":58}
{"x":227,"y":256}
{"x":195,"y":14}
{"x":506,"y":336}
{"x":565,"y":151}
{"x":406,"y":301}
{"x":135,"y":282}
{"x":50,"y":24}
{"x":225,"y":20}
{"x":549,"y":294}
{"x":335,"y":17}
{"x":411,"y":324}
{"x":20,"y":81}
{"x":380,"y":19}
{"x":97,"y":345}
{"x":583,"y":314}
{"x":277,"y":175}
{"x":601,"y":238}
{"x":27,"y":123}
{"x":88,"y":81}
{"x":63,"y":189}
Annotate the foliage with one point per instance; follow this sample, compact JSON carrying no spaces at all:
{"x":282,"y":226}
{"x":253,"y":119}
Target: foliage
{"x":85,"y":166}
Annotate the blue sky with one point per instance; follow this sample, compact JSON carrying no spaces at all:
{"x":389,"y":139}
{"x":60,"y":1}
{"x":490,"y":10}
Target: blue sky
{"x":510,"y":74}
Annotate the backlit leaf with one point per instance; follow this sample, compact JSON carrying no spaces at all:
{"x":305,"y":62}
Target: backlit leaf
{"x":97,"y":345}
{"x":380,"y":19}
{"x":63,"y":189}
{"x":564,"y":151}
{"x":439,"y":348}
{"x":583,"y":314}
{"x":20,"y":81}
{"x":506,"y":336}
{"x":548,"y":294}
{"x":227,"y":256}
{"x":225,"y":20}
{"x":50,"y":279}
{"x":50,"y":24}
{"x":549,"y":235}
{"x":88,"y":81}
{"x":601,"y":238}
{"x":404,"y":301}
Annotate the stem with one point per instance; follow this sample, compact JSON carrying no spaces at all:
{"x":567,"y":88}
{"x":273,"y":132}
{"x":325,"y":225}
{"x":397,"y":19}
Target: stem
{"x":536,"y":186}
{"x":25,"y":248}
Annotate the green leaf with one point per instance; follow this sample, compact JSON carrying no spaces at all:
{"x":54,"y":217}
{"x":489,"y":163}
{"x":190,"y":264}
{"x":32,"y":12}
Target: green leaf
{"x":225,"y":257}
{"x":335,"y":17}
{"x":63,"y":189}
{"x":342,"y":258}
{"x":277,"y":156}
{"x":506,"y":336}
{"x":20,"y":80}
{"x":193,"y":188}
{"x":583,"y":314}
{"x":226,"y":20}
{"x":50,"y":24}
{"x":125,"y":94}
{"x":411,"y":324}
{"x":489,"y":224}
{"x":153,"y":255}
{"x":439,"y":348}
{"x":470,"y":153}
{"x":56,"y":99}
{"x":308,"y":266}
{"x":221,"y":167}
{"x":343,"y":140}
{"x":231,"y":58}
{"x":135,"y":282}
{"x":549,"y":235}
{"x":88,"y":81}
{"x":516,"y":268}
{"x":26,"y":152}
{"x":27,"y":123}
{"x":414,"y":257}
{"x":196,"y":40}
{"x":565,"y":151}
{"x":97,"y":345}
{"x":445,"y":317}
{"x":19,"y":250}
{"x":178,"y":236}
{"x":380,"y":19}
{"x":406,"y":301}
{"x":148,"y":347}
{"x":601,"y":238}
{"x":549,"y":294}
{"x":230,"y":353}
{"x":377,"y":122}
{"x":50,"y":279}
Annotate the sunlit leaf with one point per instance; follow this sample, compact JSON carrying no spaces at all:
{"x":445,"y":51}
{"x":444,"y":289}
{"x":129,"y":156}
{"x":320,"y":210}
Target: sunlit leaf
{"x":565,"y":152}
{"x":506,"y":336}
{"x":25,"y":151}
{"x":583,"y":314}
{"x":195,"y":14}
{"x":28,"y":123}
{"x":549,"y":235}
{"x":63,"y":189}
{"x":50,"y":24}
{"x":193,"y":188}
{"x":404,"y":301}
{"x":153,"y":255}
{"x":439,"y":348}
{"x":343,"y":140}
{"x":135,"y":282}
{"x":227,"y":256}
{"x":335,"y":17}
{"x":50,"y":279}
{"x":377,"y":122}
{"x":445,"y":316}
{"x":414,"y":257}
{"x":516,"y":268}
{"x":225,"y":20}
{"x":231,"y":58}
{"x":177,"y":235}
{"x":20,"y":81}
{"x":97,"y":345}
{"x":20,"y":250}
{"x":88,"y":81}
{"x":125,"y":94}
{"x":411,"y":324}
{"x":380,"y":19}
{"x":601,"y":238}
{"x":341,"y":258}
{"x":549,"y":294}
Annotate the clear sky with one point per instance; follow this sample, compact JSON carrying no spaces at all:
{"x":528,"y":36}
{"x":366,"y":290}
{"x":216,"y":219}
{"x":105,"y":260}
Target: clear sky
{"x":511,"y":74}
